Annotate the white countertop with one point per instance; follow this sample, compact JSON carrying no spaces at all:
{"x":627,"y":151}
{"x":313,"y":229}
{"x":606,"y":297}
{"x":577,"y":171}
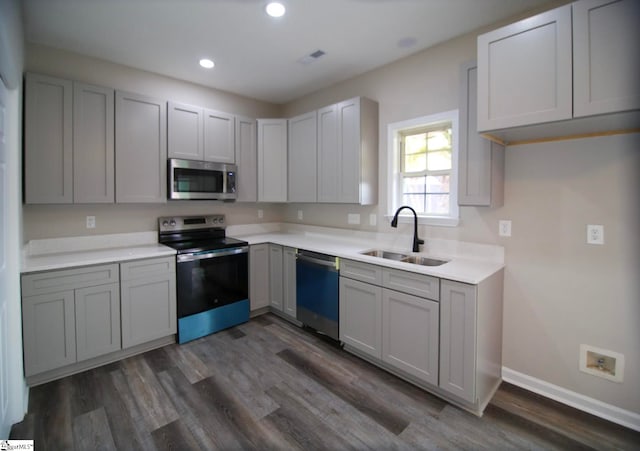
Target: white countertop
{"x":459,"y":268}
{"x":466,"y":262}
{"x":60,"y":253}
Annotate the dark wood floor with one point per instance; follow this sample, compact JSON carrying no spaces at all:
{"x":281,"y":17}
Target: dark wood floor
{"x":267,"y":384}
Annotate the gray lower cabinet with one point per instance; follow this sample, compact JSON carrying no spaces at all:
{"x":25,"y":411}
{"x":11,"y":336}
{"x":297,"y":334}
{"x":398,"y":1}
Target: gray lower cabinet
{"x":69,"y":316}
{"x":289,"y":281}
{"x":410,"y":331}
{"x":97,"y":320}
{"x":148,"y":299}
{"x":141,"y":149}
{"x":458,"y":339}
{"x":259,"y":276}
{"x":361,"y":316}
{"x":276,"y":286}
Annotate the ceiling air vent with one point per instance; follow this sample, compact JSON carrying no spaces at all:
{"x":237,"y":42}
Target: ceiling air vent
{"x":310,"y":58}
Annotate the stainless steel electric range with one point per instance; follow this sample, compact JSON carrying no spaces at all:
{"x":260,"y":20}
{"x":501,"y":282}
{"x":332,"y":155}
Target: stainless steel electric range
{"x":212,"y":274}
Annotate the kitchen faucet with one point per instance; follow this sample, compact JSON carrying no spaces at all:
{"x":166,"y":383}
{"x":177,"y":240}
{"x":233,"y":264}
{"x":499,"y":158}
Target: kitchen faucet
{"x":416,"y":241}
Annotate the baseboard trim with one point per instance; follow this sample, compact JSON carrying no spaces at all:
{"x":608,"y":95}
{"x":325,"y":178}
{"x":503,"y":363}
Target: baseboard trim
{"x":600,"y":409}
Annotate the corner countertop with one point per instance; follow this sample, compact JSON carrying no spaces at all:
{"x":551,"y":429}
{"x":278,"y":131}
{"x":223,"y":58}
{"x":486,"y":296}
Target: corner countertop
{"x":62,"y":253}
{"x":466,"y":269}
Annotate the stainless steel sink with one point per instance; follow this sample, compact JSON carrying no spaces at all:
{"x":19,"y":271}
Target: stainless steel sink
{"x":414,"y":259}
{"x":424,"y":261}
{"x":386,"y":254}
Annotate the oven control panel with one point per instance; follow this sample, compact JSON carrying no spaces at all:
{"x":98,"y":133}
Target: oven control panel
{"x":178,"y":223}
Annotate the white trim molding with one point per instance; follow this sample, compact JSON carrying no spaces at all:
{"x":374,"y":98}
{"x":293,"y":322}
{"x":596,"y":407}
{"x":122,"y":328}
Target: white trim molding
{"x":600,"y":409}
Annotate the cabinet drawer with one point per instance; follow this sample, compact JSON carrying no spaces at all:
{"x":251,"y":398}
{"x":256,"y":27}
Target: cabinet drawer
{"x":146,"y":268}
{"x":69,"y":279}
{"x":361,"y":271}
{"x":412,"y":283}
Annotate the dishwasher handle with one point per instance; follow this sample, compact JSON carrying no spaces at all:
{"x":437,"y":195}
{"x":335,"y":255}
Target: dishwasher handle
{"x":318,"y":259}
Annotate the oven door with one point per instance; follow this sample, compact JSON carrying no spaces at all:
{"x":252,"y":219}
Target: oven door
{"x":201,"y":180}
{"x":211,"y":279}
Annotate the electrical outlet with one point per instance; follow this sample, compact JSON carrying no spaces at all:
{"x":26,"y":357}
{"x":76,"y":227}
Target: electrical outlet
{"x":373,"y":219}
{"x":260,"y":214}
{"x":353,"y":218}
{"x":595,"y":234}
{"x":300,"y":215}
{"x":504,"y":228}
{"x":91,"y":222}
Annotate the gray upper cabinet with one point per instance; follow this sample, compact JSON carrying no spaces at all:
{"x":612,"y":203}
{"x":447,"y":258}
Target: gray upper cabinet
{"x":246,"y":159}
{"x":48,"y":163}
{"x":93,"y":148}
{"x":606,"y":60}
{"x":272,"y":160}
{"x":525,"y":71}
{"x":219,"y":137}
{"x":480,"y":161}
{"x":185,"y":131}
{"x":328,"y":164}
{"x":347,"y":152}
{"x":141,"y":149}
{"x":303,"y":151}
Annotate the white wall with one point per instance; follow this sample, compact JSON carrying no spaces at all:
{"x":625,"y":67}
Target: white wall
{"x":11,"y":64}
{"x":49,"y":221}
{"x":559,"y":291}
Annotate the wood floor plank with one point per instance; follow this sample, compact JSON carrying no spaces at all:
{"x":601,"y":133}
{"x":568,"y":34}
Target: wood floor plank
{"x":298,"y":424}
{"x":91,"y":431}
{"x":53,"y":422}
{"x":174,"y":436}
{"x":188,"y":362}
{"x":389,"y":417}
{"x":204,"y":422}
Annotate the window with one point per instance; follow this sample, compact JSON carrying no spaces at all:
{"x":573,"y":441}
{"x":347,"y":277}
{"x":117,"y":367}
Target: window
{"x":423,"y":155}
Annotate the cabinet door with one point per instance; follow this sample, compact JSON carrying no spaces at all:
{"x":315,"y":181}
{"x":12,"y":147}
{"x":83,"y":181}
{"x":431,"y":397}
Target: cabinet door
{"x":185,"y":131}
{"x":328,"y":155}
{"x":410,"y":336}
{"x":303,"y":145}
{"x":349,"y":149}
{"x":48,"y":154}
{"x":276,"y":288}
{"x":259,"y":276}
{"x":272,"y":160}
{"x":361,"y":316}
{"x":49,"y":331}
{"x":289,"y":281}
{"x":525,"y":72}
{"x":141,"y":149}
{"x":148,"y":309}
{"x":481,"y":162}
{"x":219,"y":137}
{"x":93,"y":149}
{"x":247,"y":160}
{"x":97,"y":320}
{"x":458,"y":339}
{"x":606,"y":60}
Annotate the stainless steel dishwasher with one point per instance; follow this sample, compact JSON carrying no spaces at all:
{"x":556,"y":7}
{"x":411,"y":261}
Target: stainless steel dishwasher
{"x":317,"y":303}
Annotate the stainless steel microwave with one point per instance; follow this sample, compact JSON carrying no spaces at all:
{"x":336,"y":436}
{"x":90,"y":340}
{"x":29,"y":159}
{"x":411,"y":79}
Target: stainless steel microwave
{"x":202,"y":180}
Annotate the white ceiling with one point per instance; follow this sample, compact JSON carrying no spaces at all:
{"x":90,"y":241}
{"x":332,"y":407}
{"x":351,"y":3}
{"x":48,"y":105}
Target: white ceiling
{"x":256,"y":55}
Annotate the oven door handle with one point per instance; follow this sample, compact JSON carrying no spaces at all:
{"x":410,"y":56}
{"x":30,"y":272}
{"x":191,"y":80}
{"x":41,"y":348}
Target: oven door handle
{"x":215,"y":254}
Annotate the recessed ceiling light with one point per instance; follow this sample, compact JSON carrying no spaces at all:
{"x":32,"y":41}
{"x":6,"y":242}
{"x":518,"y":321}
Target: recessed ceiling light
{"x":275,"y":9}
{"x":206,"y":63}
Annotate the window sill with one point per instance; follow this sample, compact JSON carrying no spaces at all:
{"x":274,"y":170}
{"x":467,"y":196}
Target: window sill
{"x":438,"y":221}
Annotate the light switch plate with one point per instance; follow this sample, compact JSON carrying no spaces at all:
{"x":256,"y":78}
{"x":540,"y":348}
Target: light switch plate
{"x":300,"y":215}
{"x":504,"y":227}
{"x":353,"y":218}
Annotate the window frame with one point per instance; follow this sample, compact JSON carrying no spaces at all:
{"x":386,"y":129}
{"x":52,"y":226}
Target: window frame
{"x":394,"y":167}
